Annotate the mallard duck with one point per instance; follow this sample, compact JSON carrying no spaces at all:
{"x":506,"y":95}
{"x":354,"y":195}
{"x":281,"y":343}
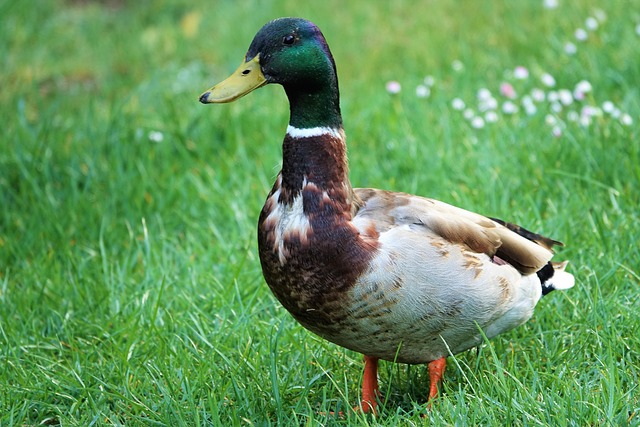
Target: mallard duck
{"x":390,"y":275}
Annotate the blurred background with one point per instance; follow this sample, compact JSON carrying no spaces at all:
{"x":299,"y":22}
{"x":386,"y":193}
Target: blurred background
{"x":130,"y":288}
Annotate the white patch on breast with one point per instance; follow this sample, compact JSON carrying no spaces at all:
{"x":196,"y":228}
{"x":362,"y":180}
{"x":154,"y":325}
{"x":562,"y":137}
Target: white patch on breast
{"x":294,"y":132}
{"x":289,"y":220}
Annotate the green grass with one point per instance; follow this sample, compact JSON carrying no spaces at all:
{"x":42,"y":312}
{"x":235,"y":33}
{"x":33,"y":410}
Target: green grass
{"x":130,"y":289}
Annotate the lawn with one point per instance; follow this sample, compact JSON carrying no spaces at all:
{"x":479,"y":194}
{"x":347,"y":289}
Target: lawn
{"x":130,"y":287}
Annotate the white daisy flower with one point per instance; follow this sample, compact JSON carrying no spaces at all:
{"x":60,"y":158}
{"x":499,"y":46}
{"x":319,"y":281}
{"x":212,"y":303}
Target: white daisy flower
{"x":570,"y":48}
{"x":458,"y":104}
{"x":429,"y":81}
{"x":581,"y":34}
{"x":422,"y":91}
{"x":573,"y":116}
{"x":591,"y":23}
{"x":509,"y":107}
{"x":393,"y":87}
{"x":491,"y":116}
{"x":548,"y":80}
{"x":477,"y":122}
{"x":468,"y":114}
{"x":537,"y":95}
{"x":483,"y":94}
{"x":600,"y":15}
{"x":608,"y":107}
{"x":550,"y":119}
{"x":521,"y":73}
{"x":565,"y":96}
{"x":156,"y":136}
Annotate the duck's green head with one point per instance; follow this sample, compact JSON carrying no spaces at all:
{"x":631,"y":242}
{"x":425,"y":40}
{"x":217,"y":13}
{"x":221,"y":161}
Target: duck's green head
{"x":293,"y":53}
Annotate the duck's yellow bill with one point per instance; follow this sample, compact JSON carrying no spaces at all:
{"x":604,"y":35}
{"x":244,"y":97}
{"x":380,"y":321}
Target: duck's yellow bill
{"x":246,"y":78}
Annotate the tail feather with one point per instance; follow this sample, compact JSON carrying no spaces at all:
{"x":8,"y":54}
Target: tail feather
{"x":543,"y":241}
{"x":553,"y":277}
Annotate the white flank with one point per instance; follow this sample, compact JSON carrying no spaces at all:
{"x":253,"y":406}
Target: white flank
{"x":311,"y":132}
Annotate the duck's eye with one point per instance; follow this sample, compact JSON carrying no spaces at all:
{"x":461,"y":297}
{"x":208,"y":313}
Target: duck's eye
{"x":288,"y":39}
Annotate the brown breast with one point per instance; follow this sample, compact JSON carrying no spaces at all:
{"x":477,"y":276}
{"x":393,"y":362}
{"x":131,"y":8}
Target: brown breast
{"x":310,"y":252}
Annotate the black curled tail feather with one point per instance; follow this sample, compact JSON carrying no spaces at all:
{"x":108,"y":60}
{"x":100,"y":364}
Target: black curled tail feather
{"x":545,"y":274}
{"x":552,"y":275}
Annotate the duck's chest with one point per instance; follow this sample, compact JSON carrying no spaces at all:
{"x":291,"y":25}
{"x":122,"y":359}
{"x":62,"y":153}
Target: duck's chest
{"x":311,"y":255}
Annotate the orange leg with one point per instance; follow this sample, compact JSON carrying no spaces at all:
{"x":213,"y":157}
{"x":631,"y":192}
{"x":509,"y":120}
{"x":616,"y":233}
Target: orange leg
{"x":436,"y":371}
{"x":370,"y":392}
{"x":370,"y":385}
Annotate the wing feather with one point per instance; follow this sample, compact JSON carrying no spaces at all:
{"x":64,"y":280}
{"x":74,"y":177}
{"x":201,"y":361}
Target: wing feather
{"x":526,"y":251}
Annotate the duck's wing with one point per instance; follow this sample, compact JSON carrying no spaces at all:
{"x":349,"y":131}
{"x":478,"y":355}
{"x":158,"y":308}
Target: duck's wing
{"x":526,"y":251}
